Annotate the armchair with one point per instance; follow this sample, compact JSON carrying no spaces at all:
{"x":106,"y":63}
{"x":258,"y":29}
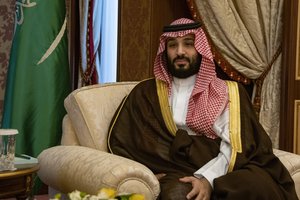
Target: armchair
{"x":82,"y":162}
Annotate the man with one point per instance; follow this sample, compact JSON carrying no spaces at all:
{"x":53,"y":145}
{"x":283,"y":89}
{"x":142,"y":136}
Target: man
{"x":196,"y":132}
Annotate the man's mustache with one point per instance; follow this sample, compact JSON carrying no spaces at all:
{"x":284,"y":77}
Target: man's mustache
{"x":181,"y":58}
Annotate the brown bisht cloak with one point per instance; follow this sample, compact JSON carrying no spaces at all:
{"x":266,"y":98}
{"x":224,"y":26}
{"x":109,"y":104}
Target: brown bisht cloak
{"x":143,"y":130}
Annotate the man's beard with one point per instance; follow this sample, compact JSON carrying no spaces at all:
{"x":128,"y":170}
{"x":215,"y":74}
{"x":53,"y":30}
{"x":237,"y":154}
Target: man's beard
{"x":194,"y":66}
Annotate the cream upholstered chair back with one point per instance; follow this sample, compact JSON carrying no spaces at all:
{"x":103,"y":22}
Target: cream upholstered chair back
{"x":90,"y":110}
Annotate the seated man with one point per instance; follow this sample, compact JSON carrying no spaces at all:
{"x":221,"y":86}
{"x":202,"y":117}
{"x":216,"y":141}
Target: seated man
{"x":198,"y":133}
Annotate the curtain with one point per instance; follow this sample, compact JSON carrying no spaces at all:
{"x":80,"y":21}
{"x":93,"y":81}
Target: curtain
{"x":248,"y":35}
{"x":109,"y":37}
{"x":98,"y":41}
{"x":89,"y":42}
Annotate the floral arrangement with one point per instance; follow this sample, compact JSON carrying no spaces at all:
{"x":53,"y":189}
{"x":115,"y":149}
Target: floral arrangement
{"x":103,"y":194}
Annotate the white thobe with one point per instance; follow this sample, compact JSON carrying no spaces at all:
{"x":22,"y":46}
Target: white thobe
{"x":181,"y":92}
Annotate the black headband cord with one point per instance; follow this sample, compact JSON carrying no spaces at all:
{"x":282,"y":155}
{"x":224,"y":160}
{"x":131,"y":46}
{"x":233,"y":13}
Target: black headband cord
{"x":180,"y":27}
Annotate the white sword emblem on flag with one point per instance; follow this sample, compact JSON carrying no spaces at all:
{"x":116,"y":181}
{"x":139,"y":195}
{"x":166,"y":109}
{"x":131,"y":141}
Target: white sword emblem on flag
{"x":20,"y":4}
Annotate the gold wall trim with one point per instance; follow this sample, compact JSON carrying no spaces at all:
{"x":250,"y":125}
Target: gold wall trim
{"x":297,"y":127}
{"x":298,"y":46}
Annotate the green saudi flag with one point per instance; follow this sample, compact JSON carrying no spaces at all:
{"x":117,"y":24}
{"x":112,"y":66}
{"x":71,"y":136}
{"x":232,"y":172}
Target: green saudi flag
{"x":38,"y":75}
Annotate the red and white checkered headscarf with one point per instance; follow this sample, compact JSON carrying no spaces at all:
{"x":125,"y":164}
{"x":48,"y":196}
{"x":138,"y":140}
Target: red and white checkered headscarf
{"x":209,"y":96}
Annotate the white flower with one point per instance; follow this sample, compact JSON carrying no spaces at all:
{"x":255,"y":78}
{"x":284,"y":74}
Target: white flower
{"x":103,"y":194}
{"x":75,"y":195}
{"x":98,"y":197}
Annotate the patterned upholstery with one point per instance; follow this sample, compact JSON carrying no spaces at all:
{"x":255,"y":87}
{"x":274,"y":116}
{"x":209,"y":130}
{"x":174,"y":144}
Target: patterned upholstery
{"x":81,"y":161}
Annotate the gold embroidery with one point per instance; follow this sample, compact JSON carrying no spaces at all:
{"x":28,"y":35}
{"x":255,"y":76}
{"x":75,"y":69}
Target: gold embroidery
{"x":113,"y":124}
{"x":234,"y":122}
{"x":162,"y":93}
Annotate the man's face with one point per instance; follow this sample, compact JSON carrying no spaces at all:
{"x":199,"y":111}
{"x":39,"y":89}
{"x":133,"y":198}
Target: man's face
{"x":183,"y":59}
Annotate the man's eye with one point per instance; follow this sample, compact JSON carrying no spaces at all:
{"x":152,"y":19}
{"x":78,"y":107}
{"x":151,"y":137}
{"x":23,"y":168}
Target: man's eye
{"x":172,"y":45}
{"x":189,"y":43}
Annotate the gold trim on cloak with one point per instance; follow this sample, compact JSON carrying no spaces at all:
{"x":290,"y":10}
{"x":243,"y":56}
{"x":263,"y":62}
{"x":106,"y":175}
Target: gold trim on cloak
{"x":234,"y":122}
{"x":113,"y":123}
{"x":162,"y":93}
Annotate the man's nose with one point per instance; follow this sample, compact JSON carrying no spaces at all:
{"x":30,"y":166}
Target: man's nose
{"x":180,"y":50}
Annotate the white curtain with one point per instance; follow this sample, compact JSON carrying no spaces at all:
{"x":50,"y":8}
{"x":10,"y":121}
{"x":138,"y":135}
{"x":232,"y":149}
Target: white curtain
{"x":109,"y":38}
{"x":248,"y":34}
{"x":105,"y":27}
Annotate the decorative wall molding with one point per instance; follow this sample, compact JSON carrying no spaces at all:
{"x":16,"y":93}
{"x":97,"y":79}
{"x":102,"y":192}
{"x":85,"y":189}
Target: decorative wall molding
{"x":297,"y":127}
{"x":290,"y":86}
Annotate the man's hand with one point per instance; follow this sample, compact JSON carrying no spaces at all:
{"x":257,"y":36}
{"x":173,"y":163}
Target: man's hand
{"x":201,"y":188}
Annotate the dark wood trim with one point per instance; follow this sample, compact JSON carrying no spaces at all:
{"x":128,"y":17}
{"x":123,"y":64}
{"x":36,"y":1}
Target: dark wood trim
{"x":74,"y":43}
{"x":288,"y":90}
{"x":119,"y":40}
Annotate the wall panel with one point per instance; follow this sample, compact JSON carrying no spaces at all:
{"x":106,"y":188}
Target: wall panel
{"x":297,"y":127}
{"x":290,"y":96}
{"x":134,"y":46}
{"x":297,"y":90}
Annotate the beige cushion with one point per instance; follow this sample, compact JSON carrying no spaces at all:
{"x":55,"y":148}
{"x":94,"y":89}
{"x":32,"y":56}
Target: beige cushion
{"x":292,"y":162}
{"x":91,"y":109}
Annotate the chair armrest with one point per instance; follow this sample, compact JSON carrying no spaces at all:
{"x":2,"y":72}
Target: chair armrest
{"x":292,"y":162}
{"x":66,"y":168}
{"x":68,"y":136}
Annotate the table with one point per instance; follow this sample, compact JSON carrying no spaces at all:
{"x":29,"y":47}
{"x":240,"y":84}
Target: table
{"x":17,"y":183}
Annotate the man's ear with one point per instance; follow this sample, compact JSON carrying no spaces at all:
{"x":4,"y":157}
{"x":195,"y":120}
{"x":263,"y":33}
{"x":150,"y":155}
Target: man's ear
{"x":164,"y":54}
{"x":165,"y":57}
